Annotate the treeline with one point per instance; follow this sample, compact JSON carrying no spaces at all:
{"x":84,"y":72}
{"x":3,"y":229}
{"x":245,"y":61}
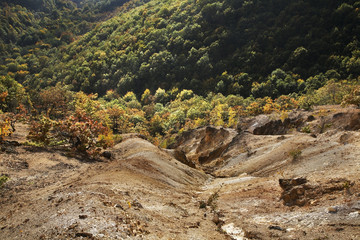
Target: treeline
{"x":88,"y":123}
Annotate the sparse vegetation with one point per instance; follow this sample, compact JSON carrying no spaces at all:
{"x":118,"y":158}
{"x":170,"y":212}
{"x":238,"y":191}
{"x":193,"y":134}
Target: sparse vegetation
{"x":281,"y":173}
{"x":3,"y":179}
{"x":295,"y":154}
{"x":7,"y":126}
{"x":40,"y":131}
{"x":324,"y":126}
{"x":212,"y":200}
{"x":306,"y":129}
{"x":4,"y":129}
{"x":352,"y":98}
{"x":202,"y":204}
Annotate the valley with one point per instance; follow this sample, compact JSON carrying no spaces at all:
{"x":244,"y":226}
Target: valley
{"x":143,"y":192}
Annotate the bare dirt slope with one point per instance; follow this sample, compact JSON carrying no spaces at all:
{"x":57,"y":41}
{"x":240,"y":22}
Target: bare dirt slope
{"x":143,"y":192}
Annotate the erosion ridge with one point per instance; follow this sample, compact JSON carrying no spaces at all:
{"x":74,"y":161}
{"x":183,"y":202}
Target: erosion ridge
{"x":144,"y":192}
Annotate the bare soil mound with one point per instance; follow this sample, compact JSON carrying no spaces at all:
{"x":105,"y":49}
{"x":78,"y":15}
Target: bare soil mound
{"x":144,"y":158}
{"x":141,"y":192}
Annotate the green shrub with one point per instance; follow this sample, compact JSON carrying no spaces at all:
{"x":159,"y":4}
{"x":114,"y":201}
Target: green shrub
{"x":3,"y":179}
{"x":295,"y":154}
{"x":40,"y":131}
{"x":306,"y":129}
{"x":212,"y":200}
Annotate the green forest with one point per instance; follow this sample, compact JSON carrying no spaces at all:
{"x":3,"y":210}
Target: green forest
{"x":96,"y":69}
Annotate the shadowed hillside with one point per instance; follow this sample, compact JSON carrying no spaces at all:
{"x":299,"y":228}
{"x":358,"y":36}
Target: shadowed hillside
{"x":263,"y":48}
{"x":259,"y":48}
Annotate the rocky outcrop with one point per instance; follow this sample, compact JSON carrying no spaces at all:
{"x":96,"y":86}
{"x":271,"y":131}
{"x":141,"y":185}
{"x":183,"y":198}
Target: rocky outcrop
{"x":298,"y":192}
{"x":349,"y":120}
{"x":270,"y":124}
{"x":319,"y":122}
{"x":256,"y":147}
{"x":180,"y":156}
{"x":204,"y":145}
{"x":294,"y":191}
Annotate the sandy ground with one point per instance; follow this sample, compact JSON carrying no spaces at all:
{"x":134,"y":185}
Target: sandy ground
{"x":144,"y":193}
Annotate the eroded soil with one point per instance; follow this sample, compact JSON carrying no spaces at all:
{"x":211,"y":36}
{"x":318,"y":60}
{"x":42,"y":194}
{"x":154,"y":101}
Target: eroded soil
{"x":143,"y":192}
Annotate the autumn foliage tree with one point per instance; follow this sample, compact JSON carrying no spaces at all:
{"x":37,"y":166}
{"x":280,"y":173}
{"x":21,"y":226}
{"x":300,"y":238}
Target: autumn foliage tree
{"x":54,"y":101}
{"x":83,"y":133}
{"x":77,"y":125}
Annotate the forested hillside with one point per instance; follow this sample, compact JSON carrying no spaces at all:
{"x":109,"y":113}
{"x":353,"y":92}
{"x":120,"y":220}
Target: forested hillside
{"x":264,"y":48}
{"x":159,"y":67}
{"x":24,"y":23}
{"x":33,"y":32}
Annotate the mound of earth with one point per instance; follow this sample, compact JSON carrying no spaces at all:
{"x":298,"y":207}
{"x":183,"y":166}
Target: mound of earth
{"x":272,"y":178}
{"x":141,"y":192}
{"x":142,"y":157}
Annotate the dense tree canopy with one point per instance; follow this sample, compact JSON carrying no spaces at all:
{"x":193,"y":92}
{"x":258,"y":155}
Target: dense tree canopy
{"x":260,"y":48}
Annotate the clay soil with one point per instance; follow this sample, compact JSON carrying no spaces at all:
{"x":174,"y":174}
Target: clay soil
{"x":142,"y":192}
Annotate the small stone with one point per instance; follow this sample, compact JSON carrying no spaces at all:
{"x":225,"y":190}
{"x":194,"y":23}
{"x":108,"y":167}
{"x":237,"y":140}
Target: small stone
{"x":310,"y":118}
{"x":194,"y":225}
{"x":332,"y":210}
{"x":272,"y":227}
{"x":313,"y":135}
{"x":216,"y":219}
{"x":356,"y":205}
{"x":202,"y":204}
{"x":107,"y":154}
{"x":84,"y":234}
{"x":73,"y":226}
{"x":354,"y":214}
{"x":136,"y":204}
{"x":118,"y":206}
{"x":251,"y":235}
{"x":83,"y":216}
